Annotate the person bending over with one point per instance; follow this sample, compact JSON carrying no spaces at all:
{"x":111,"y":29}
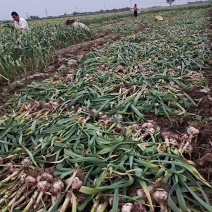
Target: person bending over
{"x":73,"y":23}
{"x":20,"y":23}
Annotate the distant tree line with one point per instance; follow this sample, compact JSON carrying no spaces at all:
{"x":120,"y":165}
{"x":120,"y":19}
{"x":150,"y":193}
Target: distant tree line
{"x":102,"y":11}
{"x":32,"y":17}
{"x":198,"y":2}
{"x":82,"y":13}
{"x":170,"y":2}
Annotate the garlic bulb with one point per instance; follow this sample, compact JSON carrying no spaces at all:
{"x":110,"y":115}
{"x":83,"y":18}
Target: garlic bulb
{"x":57,"y":189}
{"x":120,"y":117}
{"x":160,"y":196}
{"x":192,"y":131}
{"x":99,"y":208}
{"x":1,"y":160}
{"x":127,"y":207}
{"x":58,"y":186}
{"x":133,"y":88}
{"x":47,"y":177}
{"x":140,"y":192}
{"x":26,"y":162}
{"x":43,"y":186}
{"x":148,"y":125}
{"x":151,"y":187}
{"x":29,"y":180}
{"x":77,"y":183}
{"x":111,"y":200}
{"x":138,"y":207}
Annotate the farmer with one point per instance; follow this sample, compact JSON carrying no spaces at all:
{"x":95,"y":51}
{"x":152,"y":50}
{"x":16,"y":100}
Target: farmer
{"x":139,"y":12}
{"x":20,"y":23}
{"x":135,"y":10}
{"x":73,"y":23}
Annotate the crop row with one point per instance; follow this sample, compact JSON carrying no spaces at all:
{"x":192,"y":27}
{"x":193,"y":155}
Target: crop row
{"x":21,"y":53}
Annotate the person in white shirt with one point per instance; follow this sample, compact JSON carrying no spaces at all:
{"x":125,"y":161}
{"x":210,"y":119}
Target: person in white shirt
{"x":139,"y":12}
{"x":20,"y":23}
{"x":73,"y":23}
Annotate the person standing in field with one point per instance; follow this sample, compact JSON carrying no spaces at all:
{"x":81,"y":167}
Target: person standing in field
{"x":73,"y":23}
{"x":139,"y":12}
{"x":135,"y":10}
{"x":20,"y":23}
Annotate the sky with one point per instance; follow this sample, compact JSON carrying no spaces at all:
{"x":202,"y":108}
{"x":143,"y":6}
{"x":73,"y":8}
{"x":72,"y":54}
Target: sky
{"x":59,"y":7}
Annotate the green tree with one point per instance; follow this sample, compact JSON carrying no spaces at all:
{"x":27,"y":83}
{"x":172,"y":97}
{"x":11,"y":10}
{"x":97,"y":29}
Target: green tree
{"x":170,"y":2}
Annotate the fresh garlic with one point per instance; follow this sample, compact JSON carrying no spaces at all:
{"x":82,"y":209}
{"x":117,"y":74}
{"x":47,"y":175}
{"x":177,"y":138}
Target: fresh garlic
{"x":127,"y":207}
{"x":160,"y":196}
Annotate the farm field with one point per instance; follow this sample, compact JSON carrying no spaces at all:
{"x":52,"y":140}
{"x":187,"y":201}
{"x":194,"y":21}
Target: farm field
{"x":121,"y":121}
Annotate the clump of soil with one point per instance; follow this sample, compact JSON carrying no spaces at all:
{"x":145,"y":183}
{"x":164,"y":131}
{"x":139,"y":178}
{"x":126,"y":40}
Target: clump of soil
{"x":39,"y":171}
